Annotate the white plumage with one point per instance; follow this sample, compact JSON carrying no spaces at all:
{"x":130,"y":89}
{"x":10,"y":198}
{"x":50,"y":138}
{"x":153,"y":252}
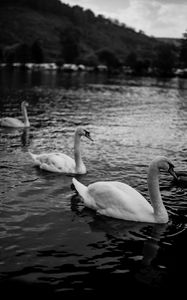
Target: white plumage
{"x":14,"y":122}
{"x":121,"y":201}
{"x":62,"y":163}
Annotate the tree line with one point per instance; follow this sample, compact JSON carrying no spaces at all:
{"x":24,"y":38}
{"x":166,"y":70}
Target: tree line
{"x":86,"y":39}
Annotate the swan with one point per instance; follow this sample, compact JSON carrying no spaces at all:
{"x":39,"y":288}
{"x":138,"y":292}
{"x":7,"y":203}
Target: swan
{"x":121,"y":201}
{"x":15,"y":123}
{"x":62,"y":163}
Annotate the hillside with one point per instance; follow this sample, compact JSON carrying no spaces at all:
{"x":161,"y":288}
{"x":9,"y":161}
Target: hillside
{"x":68,"y":33}
{"x":173,"y":41}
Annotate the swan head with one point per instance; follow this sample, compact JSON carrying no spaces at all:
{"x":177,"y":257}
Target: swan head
{"x":83,"y":132}
{"x":163,"y":163}
{"x":24,"y":104}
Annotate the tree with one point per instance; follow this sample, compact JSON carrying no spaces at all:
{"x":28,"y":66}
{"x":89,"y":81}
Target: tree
{"x":131,"y":60}
{"x":1,"y":55}
{"x":70,"y":44}
{"x":109,"y":58}
{"x":183,"y":51}
{"x":165,"y":59}
{"x":22,"y":54}
{"x":37,"y":52}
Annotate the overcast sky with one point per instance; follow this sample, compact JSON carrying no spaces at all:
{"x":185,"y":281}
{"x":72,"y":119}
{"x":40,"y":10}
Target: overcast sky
{"x":159,"y":18}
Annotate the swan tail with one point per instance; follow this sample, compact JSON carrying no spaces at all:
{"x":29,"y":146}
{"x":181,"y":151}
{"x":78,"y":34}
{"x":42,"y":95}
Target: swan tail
{"x":80,"y":188}
{"x":34,"y":158}
{"x":86,"y":197}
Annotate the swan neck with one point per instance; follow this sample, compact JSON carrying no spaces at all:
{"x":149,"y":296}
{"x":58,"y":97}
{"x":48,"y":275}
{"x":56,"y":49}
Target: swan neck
{"x":25,"y":116}
{"x":160,"y":212}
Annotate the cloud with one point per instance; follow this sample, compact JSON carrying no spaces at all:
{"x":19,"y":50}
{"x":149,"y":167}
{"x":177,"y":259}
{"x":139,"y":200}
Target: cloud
{"x":99,"y":6}
{"x":160,"y":18}
{"x":175,"y":2}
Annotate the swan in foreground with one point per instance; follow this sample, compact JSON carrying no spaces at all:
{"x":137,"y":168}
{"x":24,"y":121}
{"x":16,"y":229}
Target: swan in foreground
{"x":62,"y":163}
{"x":15,"y":123}
{"x":121,"y":201}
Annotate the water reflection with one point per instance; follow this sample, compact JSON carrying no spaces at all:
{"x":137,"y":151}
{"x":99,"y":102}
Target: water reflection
{"x":15,"y":78}
{"x":150,"y":269}
{"x":25,"y":138}
{"x":47,"y":234}
{"x":118,"y":228}
{"x":150,"y":273}
{"x":15,"y":137}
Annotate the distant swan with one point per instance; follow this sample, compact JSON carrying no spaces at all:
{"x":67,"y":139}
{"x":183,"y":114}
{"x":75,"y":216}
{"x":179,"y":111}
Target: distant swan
{"x":62,"y":163}
{"x":121,"y":201}
{"x":15,"y":123}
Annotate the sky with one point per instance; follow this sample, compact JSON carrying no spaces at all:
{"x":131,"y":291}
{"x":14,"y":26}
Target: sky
{"x":158,"y":18}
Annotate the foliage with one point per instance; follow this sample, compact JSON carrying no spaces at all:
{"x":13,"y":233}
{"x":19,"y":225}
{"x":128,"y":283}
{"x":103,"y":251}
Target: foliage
{"x":49,"y":30}
{"x":25,"y":21}
{"x":108,"y":58}
{"x":165,"y":59}
{"x":70,"y":44}
{"x":37,"y":55}
{"x":183,"y":51}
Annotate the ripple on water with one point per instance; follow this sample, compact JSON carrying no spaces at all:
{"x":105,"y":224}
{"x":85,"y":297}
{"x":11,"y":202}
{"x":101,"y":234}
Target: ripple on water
{"x":47,"y":236}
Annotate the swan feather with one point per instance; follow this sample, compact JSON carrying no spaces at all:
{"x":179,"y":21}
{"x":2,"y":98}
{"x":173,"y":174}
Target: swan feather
{"x":54,"y":162}
{"x":62,"y":163}
{"x":11,"y":122}
{"x":114,"y":199}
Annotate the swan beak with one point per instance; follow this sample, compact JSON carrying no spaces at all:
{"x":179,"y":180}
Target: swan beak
{"x":172,"y":172}
{"x":87,"y":134}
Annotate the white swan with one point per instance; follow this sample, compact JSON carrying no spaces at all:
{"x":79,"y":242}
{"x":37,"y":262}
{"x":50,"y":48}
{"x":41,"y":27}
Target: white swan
{"x":15,"y":123}
{"x":62,"y":163}
{"x":121,"y":201}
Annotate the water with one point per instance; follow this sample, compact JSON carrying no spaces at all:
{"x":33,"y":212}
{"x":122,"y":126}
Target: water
{"x":49,"y":242}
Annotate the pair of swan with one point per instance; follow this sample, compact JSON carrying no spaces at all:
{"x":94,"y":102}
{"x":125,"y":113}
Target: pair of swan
{"x":112,"y":198}
{"x":16,"y":123}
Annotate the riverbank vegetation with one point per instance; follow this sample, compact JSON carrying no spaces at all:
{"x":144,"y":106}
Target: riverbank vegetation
{"x":49,"y":31}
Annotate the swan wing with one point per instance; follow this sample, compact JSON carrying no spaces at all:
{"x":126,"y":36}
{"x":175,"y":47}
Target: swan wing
{"x":121,"y":201}
{"x":55,"y":162}
{"x":11,"y":122}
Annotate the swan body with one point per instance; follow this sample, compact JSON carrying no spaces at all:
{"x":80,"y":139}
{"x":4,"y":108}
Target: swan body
{"x":16,"y":123}
{"x":121,"y":201}
{"x":55,"y":162}
{"x":60,"y":162}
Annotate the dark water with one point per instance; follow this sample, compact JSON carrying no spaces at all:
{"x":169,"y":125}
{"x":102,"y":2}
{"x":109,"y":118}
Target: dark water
{"x":48,"y":242}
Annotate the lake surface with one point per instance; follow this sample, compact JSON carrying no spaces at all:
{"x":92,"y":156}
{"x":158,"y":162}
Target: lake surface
{"x":49,"y":242}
